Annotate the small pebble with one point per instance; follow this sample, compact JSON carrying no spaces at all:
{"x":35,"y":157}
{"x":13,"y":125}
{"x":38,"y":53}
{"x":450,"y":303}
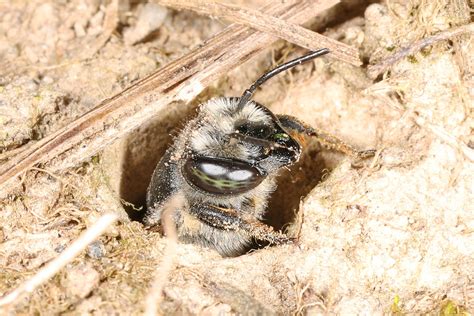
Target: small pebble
{"x":60,"y":248}
{"x":150,"y":17}
{"x":96,"y":250}
{"x":79,"y":29}
{"x":80,"y":280}
{"x":47,"y":80}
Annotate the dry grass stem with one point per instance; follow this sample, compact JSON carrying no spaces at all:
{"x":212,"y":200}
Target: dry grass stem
{"x":163,"y":270}
{"x":12,"y":152}
{"x":52,"y":175}
{"x":182,"y":79}
{"x":384,"y":65}
{"x":290,"y":32}
{"x":53,"y":267}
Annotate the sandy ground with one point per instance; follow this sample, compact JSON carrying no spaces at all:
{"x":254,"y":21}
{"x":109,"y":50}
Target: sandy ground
{"x":395,"y":235}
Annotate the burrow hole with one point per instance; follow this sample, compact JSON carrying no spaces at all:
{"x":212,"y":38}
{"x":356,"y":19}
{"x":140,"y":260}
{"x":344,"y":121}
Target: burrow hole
{"x":136,"y":157}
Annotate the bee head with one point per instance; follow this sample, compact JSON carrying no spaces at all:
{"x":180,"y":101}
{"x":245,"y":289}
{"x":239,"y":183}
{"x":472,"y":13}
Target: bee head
{"x":232,"y":150}
{"x":265,"y":131}
{"x":241,"y":129}
{"x":251,"y":133}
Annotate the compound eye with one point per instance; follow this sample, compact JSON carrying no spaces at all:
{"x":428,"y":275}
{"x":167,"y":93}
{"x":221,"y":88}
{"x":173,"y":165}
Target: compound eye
{"x":262,"y":131}
{"x":221,"y":176}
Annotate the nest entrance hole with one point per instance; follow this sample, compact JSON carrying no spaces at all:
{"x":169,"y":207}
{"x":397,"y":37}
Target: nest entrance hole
{"x":294,"y":184}
{"x":143,"y":149}
{"x":141,"y":152}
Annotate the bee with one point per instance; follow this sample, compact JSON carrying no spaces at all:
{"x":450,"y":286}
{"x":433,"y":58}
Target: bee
{"x":224,"y":164}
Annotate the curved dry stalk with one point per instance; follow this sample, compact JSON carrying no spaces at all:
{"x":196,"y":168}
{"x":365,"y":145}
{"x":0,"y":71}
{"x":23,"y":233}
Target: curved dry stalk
{"x":290,"y":32}
{"x":163,"y":270}
{"x":375,"y":70}
{"x":53,"y":267}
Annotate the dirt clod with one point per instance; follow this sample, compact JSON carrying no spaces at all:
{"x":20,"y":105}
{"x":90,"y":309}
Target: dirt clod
{"x":80,"y":280}
{"x":149,"y":18}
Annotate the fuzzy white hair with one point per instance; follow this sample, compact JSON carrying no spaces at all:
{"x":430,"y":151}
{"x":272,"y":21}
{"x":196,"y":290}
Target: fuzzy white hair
{"x":217,"y":119}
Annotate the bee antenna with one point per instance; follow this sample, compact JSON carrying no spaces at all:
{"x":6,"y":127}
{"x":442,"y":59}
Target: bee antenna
{"x":292,"y":63}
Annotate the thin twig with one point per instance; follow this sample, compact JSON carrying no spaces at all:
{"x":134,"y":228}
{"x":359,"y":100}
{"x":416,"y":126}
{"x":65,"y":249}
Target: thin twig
{"x":12,"y":152}
{"x":182,"y":79}
{"x":52,"y":175}
{"x":290,"y":32}
{"x":59,"y":262}
{"x":375,"y":70}
{"x":162,"y":271}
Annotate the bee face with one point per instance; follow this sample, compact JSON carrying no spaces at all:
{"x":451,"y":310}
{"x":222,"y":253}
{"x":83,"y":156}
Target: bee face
{"x":252,"y":134}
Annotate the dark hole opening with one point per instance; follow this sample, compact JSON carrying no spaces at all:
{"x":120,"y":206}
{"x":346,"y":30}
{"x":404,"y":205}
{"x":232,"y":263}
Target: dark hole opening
{"x":147,"y":145}
{"x":294,"y":184}
{"x":143,"y":150}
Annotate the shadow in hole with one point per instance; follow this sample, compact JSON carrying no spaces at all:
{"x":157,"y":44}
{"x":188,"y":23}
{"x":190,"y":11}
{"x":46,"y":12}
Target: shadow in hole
{"x":293,"y":185}
{"x":144,"y":149}
{"x":343,"y":12}
{"x":146,"y":146}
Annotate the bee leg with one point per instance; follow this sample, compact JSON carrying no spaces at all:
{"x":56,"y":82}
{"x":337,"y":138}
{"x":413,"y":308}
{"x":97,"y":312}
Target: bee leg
{"x":332,"y":142}
{"x":230,"y":219}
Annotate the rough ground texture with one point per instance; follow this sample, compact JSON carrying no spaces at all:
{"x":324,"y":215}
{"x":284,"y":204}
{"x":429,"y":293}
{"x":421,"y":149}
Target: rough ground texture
{"x":393,"y":236}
